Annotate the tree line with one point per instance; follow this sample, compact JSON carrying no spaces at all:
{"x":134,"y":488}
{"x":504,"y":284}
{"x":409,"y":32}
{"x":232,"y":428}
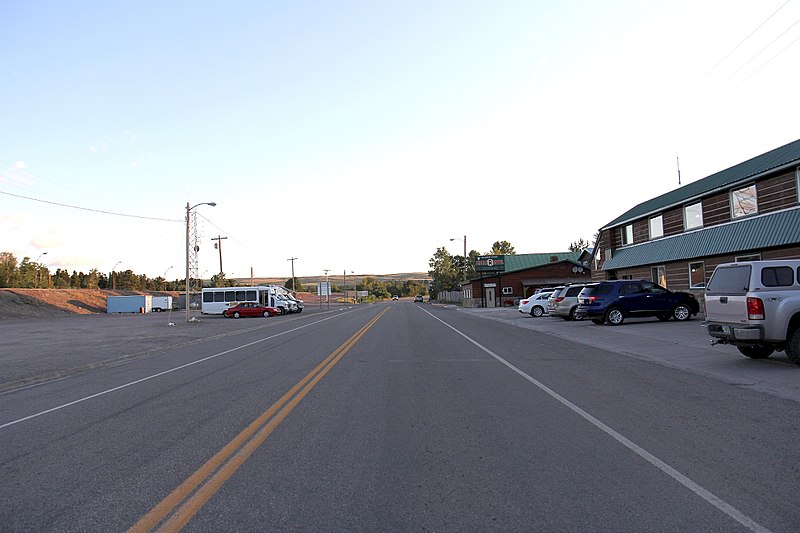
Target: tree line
{"x":27,"y":274}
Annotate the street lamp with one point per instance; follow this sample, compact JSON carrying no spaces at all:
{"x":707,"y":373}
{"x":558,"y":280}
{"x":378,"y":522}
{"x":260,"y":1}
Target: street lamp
{"x":113,"y":279}
{"x":188,"y":217}
{"x":165,"y":277}
{"x":38,"y":268}
{"x":465,"y":256}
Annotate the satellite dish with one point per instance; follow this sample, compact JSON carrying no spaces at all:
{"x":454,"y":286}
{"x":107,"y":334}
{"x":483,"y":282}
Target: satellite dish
{"x":574,"y":270}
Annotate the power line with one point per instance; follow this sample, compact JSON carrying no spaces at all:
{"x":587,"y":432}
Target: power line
{"x":732,"y":50}
{"x":90,"y":209}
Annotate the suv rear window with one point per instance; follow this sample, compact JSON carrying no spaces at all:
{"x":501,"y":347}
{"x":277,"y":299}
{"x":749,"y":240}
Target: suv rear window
{"x":730,"y":280}
{"x":600,"y":289}
{"x":572,"y":291}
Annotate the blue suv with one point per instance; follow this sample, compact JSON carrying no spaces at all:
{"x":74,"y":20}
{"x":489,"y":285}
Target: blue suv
{"x":613,"y":301}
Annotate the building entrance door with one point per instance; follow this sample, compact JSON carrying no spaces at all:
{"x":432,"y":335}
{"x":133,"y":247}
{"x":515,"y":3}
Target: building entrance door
{"x":490,"y":298}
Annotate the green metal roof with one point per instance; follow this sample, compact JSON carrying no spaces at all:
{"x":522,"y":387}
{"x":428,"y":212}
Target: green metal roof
{"x":779,"y":157}
{"x":514,"y":263}
{"x":780,"y":228}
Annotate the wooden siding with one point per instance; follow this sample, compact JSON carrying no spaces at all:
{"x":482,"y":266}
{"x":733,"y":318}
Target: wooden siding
{"x":777,"y":193}
{"x":673,"y":221}
{"x":716,"y":209}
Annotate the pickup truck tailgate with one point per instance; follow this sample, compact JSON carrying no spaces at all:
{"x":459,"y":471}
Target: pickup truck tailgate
{"x":730,"y":309}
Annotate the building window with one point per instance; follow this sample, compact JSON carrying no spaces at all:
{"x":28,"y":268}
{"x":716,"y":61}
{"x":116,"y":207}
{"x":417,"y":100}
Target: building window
{"x":659,"y":275}
{"x":697,"y":275}
{"x":656,"y":227}
{"x":627,"y":234}
{"x":693,"y":216}
{"x":797,"y":184}
{"x":508,"y":290}
{"x":751,"y":257}
{"x":744,"y":202}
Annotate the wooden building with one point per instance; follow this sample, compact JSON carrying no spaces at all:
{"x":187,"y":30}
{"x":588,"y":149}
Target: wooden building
{"x":748,"y":211}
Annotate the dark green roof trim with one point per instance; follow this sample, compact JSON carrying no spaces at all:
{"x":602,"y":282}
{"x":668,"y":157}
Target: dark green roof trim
{"x":514,"y":263}
{"x":785,"y":156}
{"x":781,"y":228}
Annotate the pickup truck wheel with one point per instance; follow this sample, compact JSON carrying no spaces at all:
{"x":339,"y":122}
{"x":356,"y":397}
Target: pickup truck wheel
{"x":537,"y":311}
{"x":682,"y":312}
{"x":758,"y":351}
{"x":615,"y":316}
{"x":793,"y":346}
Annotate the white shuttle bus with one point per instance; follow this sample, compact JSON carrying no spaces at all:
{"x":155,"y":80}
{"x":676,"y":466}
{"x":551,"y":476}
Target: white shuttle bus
{"x":217,"y":299}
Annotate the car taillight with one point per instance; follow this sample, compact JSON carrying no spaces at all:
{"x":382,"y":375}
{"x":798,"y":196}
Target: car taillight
{"x":524,"y":302}
{"x":755,"y":308}
{"x":558,"y":299}
{"x":589,"y":299}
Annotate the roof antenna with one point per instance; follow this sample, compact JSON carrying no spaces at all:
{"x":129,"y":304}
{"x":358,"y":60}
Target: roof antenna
{"x":678,"y":161}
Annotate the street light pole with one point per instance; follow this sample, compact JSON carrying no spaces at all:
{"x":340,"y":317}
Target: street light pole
{"x":113,"y":278}
{"x":188,"y":218}
{"x":38,"y":268}
{"x":465,"y":256}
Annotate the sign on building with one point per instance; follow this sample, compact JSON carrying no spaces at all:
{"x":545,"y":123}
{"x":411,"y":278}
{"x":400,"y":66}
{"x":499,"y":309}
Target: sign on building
{"x":490,"y":263}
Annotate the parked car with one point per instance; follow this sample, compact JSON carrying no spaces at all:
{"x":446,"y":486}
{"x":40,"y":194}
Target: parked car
{"x":565,"y":303}
{"x":395,"y":297}
{"x":298,"y":303}
{"x":535,"y":305}
{"x":613,"y":301}
{"x":250,"y":309}
{"x":755,"y":306}
{"x":418,"y":299}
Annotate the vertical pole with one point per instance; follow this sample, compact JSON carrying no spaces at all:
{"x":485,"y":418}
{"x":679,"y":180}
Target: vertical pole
{"x":187,"y":262}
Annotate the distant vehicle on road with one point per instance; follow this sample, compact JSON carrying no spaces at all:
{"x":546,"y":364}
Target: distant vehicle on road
{"x":250,"y":309}
{"x":418,"y":299}
{"x":395,"y":297}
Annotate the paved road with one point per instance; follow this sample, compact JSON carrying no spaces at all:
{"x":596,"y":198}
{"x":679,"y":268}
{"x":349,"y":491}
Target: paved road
{"x":399,"y":417}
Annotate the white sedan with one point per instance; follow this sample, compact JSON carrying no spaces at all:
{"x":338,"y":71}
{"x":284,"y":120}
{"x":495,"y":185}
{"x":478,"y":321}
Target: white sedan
{"x":535,"y":305}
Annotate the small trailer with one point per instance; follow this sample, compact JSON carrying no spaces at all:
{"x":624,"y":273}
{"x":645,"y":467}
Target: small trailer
{"x":141,"y":303}
{"x":161,"y":304}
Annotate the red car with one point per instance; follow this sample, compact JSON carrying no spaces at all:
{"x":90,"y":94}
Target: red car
{"x":250,"y":309}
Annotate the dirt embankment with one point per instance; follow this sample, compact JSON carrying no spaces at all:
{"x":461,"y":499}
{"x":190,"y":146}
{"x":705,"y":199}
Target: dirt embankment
{"x":37,"y":303}
{"x":41,"y":303}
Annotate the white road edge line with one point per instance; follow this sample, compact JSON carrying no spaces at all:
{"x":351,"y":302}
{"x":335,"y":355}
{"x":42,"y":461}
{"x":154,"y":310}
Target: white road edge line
{"x":705,"y":494}
{"x":181,"y":367}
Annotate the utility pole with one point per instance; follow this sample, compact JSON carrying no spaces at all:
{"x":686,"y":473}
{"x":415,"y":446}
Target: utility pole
{"x":218,"y":245}
{"x":292,"y":259}
{"x":328,"y":289}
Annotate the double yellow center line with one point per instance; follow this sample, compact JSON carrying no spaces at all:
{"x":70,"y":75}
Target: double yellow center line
{"x":175,"y":511}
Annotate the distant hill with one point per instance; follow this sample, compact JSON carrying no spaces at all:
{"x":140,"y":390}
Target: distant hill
{"x":337,"y":278}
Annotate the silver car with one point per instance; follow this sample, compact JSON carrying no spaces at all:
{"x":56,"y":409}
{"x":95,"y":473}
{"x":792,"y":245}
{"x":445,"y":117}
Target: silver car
{"x":564,"y":302}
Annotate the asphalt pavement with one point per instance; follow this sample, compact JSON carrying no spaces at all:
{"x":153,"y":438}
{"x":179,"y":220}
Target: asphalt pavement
{"x":39,"y":350}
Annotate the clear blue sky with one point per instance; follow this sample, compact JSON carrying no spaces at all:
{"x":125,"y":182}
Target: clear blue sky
{"x":361,"y":135}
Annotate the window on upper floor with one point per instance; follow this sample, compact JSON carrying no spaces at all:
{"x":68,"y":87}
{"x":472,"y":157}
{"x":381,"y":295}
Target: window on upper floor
{"x":627,"y":234}
{"x":744,"y":201}
{"x":693,"y":216}
{"x":656,"y":227}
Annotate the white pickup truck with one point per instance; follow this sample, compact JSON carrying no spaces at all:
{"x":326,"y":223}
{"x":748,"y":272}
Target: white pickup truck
{"x":755,"y":306}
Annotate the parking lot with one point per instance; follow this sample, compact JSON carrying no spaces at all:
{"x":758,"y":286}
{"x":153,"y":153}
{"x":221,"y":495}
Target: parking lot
{"x":681,"y":345}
